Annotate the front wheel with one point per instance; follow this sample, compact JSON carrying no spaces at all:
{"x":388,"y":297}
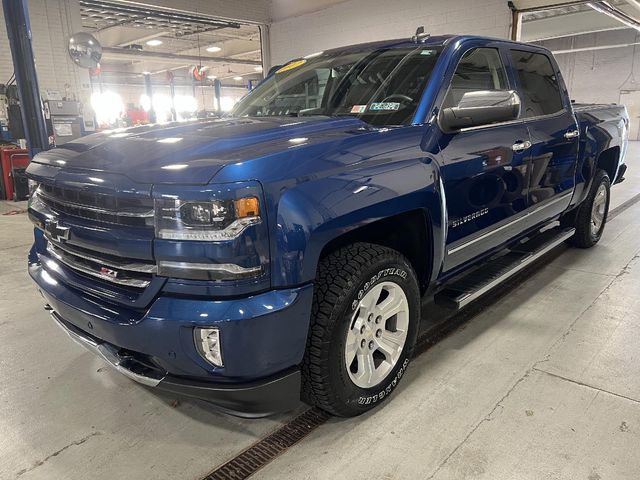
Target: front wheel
{"x":592,"y":214}
{"x":366,"y":311}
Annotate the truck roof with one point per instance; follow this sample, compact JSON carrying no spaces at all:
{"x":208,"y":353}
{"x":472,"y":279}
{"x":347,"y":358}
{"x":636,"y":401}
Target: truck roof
{"x":436,"y":40}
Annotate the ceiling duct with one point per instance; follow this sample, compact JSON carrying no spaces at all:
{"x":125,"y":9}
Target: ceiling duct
{"x":104,"y":14}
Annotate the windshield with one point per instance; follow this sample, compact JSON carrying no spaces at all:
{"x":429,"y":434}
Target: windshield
{"x":381,"y":86}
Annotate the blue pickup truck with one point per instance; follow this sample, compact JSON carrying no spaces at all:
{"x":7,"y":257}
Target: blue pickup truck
{"x":281,"y":253}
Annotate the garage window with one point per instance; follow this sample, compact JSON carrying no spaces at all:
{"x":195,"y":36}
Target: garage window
{"x":538,"y":83}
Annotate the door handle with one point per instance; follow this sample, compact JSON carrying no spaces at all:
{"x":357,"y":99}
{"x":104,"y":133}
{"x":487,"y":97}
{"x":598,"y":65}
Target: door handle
{"x":571,"y":134}
{"x":520,"y":146}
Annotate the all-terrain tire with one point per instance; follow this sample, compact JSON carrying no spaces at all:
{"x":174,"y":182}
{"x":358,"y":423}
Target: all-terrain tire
{"x":587,"y":233}
{"x":344,"y":277}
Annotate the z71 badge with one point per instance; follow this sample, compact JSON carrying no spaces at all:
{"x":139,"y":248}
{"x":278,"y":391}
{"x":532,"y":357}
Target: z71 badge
{"x":456,"y":222}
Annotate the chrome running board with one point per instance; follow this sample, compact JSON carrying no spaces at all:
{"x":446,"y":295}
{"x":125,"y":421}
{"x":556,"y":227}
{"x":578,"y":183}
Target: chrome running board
{"x":481,"y":280}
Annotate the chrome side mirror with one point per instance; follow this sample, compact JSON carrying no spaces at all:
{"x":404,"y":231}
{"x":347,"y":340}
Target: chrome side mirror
{"x":481,"y":107}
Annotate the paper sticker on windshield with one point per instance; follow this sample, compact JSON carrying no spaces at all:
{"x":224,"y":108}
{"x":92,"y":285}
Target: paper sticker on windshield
{"x":358,"y":108}
{"x":384,"y":106}
{"x":291,"y":66}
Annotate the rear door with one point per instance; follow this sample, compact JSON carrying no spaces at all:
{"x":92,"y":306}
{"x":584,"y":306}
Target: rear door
{"x":484,"y":167}
{"x":553,"y":131}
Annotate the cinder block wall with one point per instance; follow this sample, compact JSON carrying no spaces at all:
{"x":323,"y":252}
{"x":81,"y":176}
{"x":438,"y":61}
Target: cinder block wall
{"x":52,"y":23}
{"x":598,"y":76}
{"x":357,"y":21}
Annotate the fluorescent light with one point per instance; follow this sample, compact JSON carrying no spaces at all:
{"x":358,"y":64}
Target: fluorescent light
{"x":227,"y":103}
{"x":237,"y":78}
{"x":108,"y":107}
{"x":213,"y":49}
{"x":211,"y":77}
{"x":146,"y":72}
{"x":298,"y":140}
{"x":154,"y":42}
{"x":170,"y":140}
{"x":257,"y":68}
{"x":175,"y":166}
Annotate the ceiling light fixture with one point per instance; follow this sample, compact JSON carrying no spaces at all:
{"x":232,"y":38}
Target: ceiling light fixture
{"x":154,"y":42}
{"x":237,"y":78}
{"x":213,"y":49}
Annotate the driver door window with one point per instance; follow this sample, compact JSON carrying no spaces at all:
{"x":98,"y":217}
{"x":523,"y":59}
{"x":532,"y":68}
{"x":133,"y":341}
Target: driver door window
{"x":479,"y":69}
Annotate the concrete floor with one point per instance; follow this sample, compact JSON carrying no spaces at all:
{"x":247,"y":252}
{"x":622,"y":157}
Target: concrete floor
{"x":543,"y":383}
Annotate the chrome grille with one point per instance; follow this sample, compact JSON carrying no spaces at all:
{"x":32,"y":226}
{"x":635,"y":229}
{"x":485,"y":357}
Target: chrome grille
{"x":97,"y":207}
{"x":133,"y":274}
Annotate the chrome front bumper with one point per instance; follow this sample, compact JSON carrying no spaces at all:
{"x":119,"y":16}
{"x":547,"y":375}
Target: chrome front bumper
{"x":107,"y":352}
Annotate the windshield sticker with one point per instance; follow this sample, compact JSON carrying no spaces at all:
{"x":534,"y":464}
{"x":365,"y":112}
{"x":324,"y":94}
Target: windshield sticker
{"x":384,"y":106}
{"x":292,"y":65}
{"x":358,"y":108}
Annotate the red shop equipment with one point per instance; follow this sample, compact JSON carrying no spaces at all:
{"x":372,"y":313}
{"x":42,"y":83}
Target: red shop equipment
{"x":13,"y":182}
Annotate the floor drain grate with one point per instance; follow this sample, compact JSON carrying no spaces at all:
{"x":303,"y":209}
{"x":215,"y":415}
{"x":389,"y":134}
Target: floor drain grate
{"x":259,"y":454}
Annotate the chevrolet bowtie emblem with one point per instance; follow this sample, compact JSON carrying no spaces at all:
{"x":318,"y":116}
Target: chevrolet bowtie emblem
{"x":56,"y":232}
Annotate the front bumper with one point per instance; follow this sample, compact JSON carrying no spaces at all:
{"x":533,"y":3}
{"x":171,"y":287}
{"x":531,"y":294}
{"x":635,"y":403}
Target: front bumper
{"x":263,"y":340}
{"x":255,"y":399}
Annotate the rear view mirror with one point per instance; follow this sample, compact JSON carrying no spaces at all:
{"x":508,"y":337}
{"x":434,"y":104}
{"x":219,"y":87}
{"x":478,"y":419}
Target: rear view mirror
{"x":481,"y":107}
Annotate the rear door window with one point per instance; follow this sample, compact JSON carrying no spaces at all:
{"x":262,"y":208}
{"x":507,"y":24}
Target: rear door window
{"x":538,"y":82}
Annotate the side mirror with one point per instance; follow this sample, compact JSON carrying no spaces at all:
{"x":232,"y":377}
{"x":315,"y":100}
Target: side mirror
{"x":481,"y":107}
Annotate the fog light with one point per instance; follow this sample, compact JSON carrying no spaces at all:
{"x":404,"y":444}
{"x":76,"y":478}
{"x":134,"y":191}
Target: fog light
{"x":208,"y":344}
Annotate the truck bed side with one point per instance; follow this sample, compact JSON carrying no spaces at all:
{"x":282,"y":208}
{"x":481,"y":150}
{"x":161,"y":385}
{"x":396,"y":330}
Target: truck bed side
{"x":603,"y":143}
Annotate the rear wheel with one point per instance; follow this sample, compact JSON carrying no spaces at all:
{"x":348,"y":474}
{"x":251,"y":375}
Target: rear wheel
{"x":365,"y":321}
{"x":592,"y":214}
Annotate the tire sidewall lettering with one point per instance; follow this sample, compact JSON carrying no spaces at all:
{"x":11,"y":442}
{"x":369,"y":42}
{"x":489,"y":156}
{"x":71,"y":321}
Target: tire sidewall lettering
{"x":399,"y":272}
{"x":384,"y":392}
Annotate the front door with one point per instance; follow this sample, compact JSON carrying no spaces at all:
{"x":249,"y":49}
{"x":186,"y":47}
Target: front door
{"x":553,"y":131}
{"x":484,"y":168}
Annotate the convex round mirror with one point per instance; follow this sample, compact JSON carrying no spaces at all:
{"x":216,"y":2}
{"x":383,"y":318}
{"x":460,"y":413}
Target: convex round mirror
{"x":85,"y":50}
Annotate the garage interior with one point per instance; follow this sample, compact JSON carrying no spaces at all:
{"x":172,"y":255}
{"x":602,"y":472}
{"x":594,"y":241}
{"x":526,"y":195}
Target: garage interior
{"x":537,"y":380}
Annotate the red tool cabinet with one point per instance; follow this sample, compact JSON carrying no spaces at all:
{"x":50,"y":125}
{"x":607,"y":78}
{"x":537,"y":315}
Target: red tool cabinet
{"x":12,"y":160}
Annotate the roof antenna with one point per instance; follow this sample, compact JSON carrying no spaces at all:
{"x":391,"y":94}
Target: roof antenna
{"x":419,"y":34}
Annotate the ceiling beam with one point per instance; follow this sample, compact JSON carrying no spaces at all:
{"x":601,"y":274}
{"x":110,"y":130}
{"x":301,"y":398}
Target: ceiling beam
{"x":138,"y":39}
{"x":115,"y":53}
{"x":597,"y":47}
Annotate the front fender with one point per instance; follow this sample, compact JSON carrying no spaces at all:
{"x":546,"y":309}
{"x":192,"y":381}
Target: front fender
{"x":316,"y":212}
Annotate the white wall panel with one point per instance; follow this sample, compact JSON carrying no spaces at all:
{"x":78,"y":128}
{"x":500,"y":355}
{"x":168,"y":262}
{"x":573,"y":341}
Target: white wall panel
{"x":598,"y":76}
{"x":358,"y":21}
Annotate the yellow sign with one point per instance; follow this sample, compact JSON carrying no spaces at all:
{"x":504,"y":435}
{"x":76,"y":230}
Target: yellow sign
{"x":291,"y":65}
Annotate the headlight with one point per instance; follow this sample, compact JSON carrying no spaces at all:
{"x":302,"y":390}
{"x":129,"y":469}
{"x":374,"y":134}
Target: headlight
{"x":214,"y":220}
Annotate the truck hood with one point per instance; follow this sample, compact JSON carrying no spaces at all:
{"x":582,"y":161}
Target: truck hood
{"x":193,"y":152}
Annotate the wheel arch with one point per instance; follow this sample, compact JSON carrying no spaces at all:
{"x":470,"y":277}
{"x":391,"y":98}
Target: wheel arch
{"x":410,"y":233}
{"x":609,"y":160}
